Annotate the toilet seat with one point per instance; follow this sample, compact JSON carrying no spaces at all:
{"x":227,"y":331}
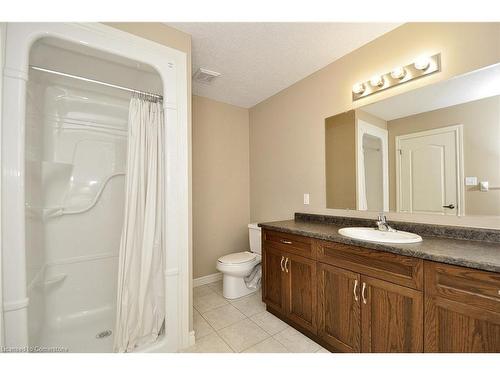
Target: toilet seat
{"x":238,"y":258}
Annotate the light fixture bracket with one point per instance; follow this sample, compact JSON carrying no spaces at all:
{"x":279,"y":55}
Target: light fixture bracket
{"x":411,"y":73}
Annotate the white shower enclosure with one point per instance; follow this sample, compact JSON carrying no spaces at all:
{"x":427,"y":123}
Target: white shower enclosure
{"x":372,"y":168}
{"x":64,"y":145}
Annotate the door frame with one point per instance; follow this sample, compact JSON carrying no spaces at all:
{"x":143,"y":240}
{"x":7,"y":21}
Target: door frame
{"x":457,"y":129}
{"x":363,"y":127}
{"x":2,"y":56}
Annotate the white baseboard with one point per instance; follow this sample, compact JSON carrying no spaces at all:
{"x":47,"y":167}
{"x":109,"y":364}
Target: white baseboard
{"x":207,"y":279}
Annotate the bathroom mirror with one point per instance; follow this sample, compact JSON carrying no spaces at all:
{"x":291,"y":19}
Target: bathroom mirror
{"x":433,"y":150}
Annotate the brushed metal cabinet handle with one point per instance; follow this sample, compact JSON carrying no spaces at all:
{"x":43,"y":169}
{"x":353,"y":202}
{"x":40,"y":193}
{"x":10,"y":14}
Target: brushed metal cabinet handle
{"x":363,"y":293}
{"x":286,"y":268}
{"x":286,"y":242}
{"x":282,"y":259}
{"x":354,"y":291}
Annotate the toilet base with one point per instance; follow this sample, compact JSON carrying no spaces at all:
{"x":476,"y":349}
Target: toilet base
{"x":234,"y":287}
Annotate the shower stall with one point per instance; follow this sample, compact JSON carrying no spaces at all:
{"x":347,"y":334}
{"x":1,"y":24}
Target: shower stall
{"x":64,"y":158}
{"x":372,"y":167}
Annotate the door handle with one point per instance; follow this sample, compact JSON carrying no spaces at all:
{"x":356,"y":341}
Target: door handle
{"x":282,"y":259}
{"x":354,"y":291}
{"x":286,"y":242}
{"x":451,"y":206}
{"x":286,"y":268}
{"x":363,"y":293}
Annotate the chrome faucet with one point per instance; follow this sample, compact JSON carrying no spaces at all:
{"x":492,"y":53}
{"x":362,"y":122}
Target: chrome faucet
{"x":383,"y":225}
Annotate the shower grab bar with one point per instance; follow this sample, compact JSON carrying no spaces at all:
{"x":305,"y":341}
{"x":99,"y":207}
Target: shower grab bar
{"x":55,"y":279}
{"x":59,"y":211}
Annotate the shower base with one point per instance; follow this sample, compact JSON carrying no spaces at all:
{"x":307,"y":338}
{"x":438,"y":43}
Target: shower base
{"x":86,"y":333}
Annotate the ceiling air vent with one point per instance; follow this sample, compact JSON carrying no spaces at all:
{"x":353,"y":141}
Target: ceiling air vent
{"x":205,"y":76}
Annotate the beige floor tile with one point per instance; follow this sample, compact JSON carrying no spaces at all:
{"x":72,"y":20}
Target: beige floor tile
{"x":268,"y":322}
{"x":208,"y":302}
{"x":322,"y":350}
{"x":216,"y":287}
{"x":223,"y":316}
{"x":201,"y":326}
{"x":211,"y":343}
{"x":202,"y":290}
{"x":243,"y":335}
{"x":269,"y":345}
{"x":296,"y":342}
{"x":249,"y":305}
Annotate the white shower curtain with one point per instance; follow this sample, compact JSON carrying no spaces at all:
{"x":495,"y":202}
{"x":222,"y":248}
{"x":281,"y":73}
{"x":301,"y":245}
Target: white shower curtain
{"x":140,"y":306}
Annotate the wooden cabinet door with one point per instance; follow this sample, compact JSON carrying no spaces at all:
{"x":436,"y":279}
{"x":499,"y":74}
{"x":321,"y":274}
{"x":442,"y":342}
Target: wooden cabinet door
{"x":301,"y":291}
{"x":462,"y":309}
{"x":273,"y":278}
{"x":454,"y":327}
{"x":339,"y":308}
{"x":391,"y":317}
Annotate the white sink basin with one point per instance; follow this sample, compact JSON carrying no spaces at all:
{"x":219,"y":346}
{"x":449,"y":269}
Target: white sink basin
{"x":375,"y":235}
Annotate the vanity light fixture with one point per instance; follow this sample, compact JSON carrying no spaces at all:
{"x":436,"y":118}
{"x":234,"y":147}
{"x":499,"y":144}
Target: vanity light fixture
{"x":398,"y":72}
{"x":358,"y":88}
{"x":377,"y":81}
{"x":420,"y":67}
{"x":422,"y":63}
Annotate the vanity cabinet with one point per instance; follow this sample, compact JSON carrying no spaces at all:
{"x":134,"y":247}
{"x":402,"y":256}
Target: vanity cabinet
{"x":462,"y":309}
{"x":358,"y":312}
{"x":391,"y":317}
{"x":354,"y":299}
{"x":289,"y":280}
{"x":339,"y":309}
{"x":300,"y":299}
{"x":273,"y":279}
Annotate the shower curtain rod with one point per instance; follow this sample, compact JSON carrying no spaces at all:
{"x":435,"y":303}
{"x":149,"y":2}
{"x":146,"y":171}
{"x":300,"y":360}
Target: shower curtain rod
{"x":95,"y":81}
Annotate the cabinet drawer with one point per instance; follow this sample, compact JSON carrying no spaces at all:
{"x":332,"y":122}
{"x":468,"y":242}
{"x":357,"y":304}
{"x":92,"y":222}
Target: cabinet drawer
{"x":386,"y":266}
{"x":291,"y":243}
{"x":461,"y":284}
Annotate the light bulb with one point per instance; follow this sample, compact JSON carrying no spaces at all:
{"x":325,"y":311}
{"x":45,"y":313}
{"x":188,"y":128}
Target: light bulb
{"x":398,"y":72}
{"x":377,"y":81}
{"x":422,"y":63}
{"x":358,"y":88}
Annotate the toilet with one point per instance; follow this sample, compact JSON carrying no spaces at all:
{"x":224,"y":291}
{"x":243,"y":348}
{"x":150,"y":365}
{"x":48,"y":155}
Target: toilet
{"x":236,"y":266}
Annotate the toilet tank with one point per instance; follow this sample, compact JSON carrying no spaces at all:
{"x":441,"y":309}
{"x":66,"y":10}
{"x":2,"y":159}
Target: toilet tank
{"x":254,"y":233}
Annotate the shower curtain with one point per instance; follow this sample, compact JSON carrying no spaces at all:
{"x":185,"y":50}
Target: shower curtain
{"x":140,"y":306}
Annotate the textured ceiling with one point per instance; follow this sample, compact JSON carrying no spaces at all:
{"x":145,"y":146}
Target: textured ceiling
{"x":257,"y":60}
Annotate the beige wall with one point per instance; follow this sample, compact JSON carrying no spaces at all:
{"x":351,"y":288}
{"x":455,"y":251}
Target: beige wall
{"x":221,"y":182}
{"x":371,"y":119}
{"x":340,"y":161}
{"x":157,"y":32}
{"x":481,"y":129}
{"x":287,"y":135}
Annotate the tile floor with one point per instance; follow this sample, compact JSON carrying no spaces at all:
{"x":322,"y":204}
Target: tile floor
{"x":242,"y":325}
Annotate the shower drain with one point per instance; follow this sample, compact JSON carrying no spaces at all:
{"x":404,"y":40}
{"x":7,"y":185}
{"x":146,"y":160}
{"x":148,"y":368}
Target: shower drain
{"x":104,"y":334}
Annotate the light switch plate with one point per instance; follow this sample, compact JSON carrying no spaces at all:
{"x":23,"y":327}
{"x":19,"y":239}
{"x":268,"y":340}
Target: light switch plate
{"x":306,"y":198}
{"x":470,"y":181}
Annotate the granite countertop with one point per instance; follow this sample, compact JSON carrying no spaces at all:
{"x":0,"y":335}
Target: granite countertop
{"x":475,"y":254}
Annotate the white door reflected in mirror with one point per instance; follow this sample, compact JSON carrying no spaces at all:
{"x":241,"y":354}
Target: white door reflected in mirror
{"x":429,"y":171}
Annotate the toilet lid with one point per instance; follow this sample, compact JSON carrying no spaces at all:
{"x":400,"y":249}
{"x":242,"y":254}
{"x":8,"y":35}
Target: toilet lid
{"x":236,"y":258}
